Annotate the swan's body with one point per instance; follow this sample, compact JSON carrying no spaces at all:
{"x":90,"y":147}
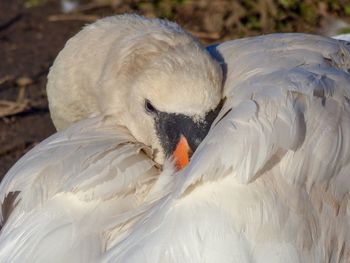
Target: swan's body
{"x":270,"y":182}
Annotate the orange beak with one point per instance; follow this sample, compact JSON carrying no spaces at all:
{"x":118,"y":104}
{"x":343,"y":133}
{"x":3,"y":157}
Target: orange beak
{"x":182,"y":153}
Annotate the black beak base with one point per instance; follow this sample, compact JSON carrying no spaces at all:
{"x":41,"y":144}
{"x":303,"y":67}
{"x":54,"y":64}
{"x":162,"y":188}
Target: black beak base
{"x":171,"y":126}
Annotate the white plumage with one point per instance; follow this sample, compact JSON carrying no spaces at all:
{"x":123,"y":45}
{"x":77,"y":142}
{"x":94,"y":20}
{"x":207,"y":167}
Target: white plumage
{"x":345,"y":37}
{"x":70,"y":188}
{"x":269,"y":183}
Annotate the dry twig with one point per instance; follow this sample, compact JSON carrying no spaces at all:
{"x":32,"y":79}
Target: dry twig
{"x":9,"y":108}
{"x":10,"y":22}
{"x":70,"y":17}
{"x":206,"y":35}
{"x":6,"y":79}
{"x":91,"y":6}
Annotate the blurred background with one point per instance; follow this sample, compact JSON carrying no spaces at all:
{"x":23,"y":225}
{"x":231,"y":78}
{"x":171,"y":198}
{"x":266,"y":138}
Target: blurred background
{"x":33,"y":31}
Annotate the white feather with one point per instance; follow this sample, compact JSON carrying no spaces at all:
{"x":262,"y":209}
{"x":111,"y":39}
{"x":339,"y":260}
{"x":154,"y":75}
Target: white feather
{"x":345,"y":37}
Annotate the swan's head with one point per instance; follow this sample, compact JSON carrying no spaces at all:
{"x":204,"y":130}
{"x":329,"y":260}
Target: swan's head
{"x":170,"y":96}
{"x":173,"y":109}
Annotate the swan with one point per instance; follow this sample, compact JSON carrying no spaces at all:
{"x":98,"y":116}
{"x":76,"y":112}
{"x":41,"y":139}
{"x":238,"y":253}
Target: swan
{"x":268,"y":183}
{"x":125,"y":94}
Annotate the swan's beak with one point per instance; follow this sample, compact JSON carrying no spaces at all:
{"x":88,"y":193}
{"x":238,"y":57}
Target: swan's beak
{"x":180,"y":135}
{"x":182,"y":153}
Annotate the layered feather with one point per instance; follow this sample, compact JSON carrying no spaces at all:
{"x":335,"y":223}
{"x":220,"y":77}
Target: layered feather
{"x":70,"y":190}
{"x":270,"y":183}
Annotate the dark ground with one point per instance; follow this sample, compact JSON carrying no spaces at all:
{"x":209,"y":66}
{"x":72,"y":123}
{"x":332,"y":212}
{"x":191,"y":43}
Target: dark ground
{"x":31,"y":37}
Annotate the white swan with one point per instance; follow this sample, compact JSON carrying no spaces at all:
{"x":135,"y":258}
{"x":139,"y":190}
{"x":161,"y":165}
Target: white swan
{"x":143,"y":82}
{"x":269,"y":183}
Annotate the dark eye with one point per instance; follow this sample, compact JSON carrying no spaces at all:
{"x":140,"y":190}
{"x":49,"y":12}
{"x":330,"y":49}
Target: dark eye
{"x":149,"y":107}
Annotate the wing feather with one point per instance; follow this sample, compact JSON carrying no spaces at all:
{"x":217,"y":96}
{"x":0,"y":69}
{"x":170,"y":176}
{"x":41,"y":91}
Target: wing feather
{"x":71,"y":190}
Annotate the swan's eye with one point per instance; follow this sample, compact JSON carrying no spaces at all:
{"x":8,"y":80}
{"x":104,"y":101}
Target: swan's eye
{"x":149,"y":107}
